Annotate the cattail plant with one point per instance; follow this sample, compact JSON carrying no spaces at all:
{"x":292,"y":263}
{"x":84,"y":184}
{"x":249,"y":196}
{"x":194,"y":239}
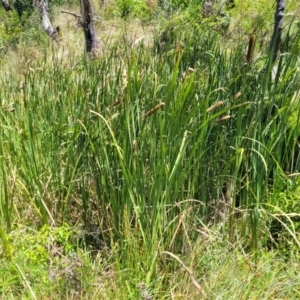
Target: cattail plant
{"x":250,"y":49}
{"x":155,"y":109}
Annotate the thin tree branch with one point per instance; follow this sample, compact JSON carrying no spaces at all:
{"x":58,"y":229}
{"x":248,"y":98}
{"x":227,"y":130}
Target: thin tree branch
{"x":70,"y":13}
{"x":76,"y":15}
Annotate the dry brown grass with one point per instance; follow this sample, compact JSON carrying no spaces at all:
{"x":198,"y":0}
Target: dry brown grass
{"x":70,"y":45}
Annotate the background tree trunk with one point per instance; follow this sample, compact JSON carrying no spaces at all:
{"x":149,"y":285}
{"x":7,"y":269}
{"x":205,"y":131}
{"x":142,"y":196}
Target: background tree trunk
{"x":278,"y":27}
{"x":42,"y":7}
{"x":230,"y":3}
{"x":91,"y":42}
{"x":6,"y":5}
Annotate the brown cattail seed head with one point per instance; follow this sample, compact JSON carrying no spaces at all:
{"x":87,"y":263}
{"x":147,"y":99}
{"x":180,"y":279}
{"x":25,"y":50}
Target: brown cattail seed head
{"x":153,"y":110}
{"x":223,"y":118}
{"x":238,"y":95}
{"x":215,"y":106}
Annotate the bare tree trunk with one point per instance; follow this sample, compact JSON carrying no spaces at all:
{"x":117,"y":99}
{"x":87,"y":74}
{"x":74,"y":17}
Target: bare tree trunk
{"x":6,"y":5}
{"x":42,"y":7}
{"x":87,"y":23}
{"x":278,"y":27}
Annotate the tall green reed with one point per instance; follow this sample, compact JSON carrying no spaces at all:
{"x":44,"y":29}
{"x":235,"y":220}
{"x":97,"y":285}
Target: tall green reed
{"x":130,"y":141}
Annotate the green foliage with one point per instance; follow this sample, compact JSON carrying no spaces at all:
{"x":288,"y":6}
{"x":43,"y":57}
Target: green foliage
{"x":285,"y":220}
{"x":150,"y":9}
{"x":147,"y":149}
{"x":220,"y":268}
{"x":177,"y":5}
{"x":22,"y":33}
{"x":7,"y":248}
{"x":56,"y":3}
{"x":96,"y":163}
{"x":35,"y":246}
{"x":47,"y":258}
{"x":184,"y":27}
{"x":131,"y":9}
{"x":10,"y":31}
{"x":24,"y":9}
{"x":125,"y":7}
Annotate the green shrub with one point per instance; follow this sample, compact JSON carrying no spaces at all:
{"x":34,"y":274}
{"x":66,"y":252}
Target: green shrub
{"x":10,"y":30}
